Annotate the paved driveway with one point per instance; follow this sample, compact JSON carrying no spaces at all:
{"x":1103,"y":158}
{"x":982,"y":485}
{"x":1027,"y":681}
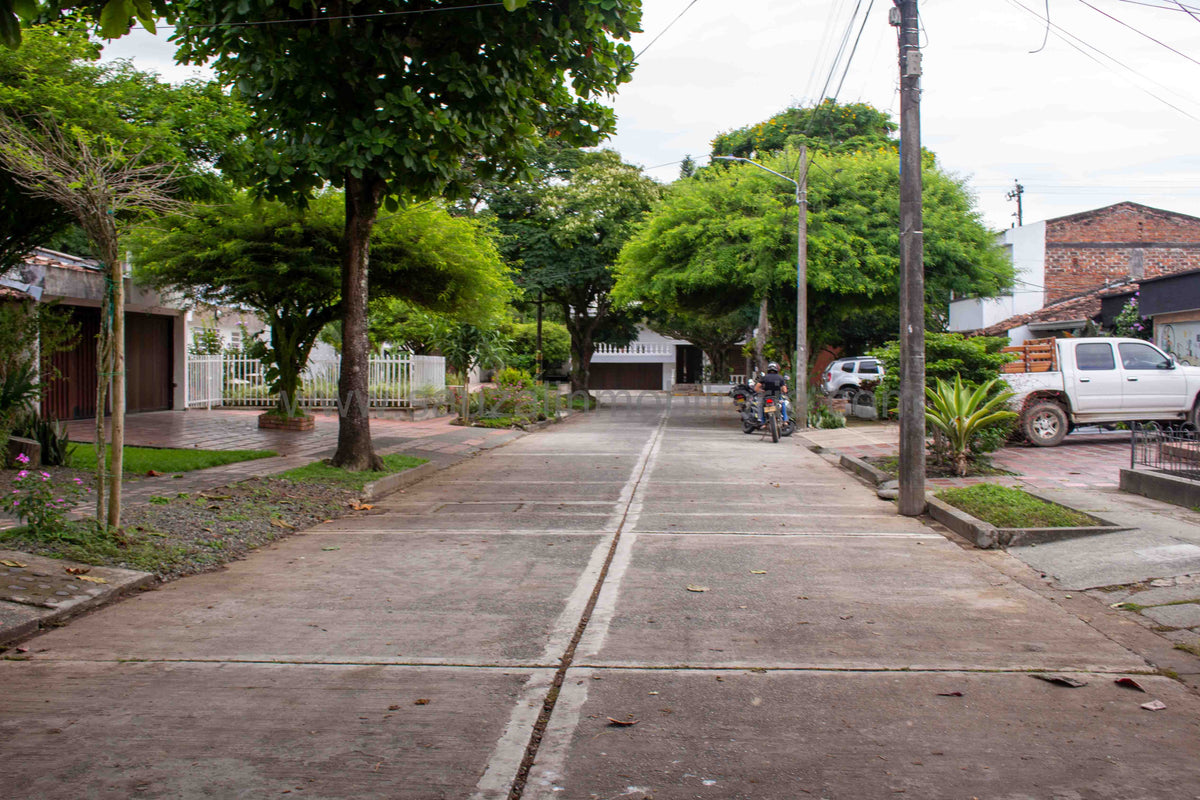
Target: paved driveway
{"x":637,"y":603}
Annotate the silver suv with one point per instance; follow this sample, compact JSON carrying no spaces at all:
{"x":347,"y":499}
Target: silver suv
{"x":844,"y":376}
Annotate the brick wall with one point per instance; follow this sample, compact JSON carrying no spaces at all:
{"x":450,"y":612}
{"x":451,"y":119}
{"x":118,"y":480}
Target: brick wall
{"x":1128,"y":240}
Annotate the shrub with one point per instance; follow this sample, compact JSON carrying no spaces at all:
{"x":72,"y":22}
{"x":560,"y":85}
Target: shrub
{"x":40,"y":503}
{"x":960,"y":414}
{"x":51,"y":435}
{"x":976,"y":360}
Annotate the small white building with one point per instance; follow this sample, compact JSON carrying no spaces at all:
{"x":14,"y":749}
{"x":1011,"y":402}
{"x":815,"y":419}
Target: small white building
{"x":651,"y":362}
{"x":1026,"y":248}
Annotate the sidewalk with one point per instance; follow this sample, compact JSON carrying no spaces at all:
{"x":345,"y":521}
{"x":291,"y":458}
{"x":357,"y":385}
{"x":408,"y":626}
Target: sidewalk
{"x":1154,"y":567}
{"x":36,"y":594}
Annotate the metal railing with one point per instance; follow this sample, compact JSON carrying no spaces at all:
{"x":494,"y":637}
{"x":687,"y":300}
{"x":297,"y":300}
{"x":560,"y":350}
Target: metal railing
{"x":1175,"y":451}
{"x":394,"y":381}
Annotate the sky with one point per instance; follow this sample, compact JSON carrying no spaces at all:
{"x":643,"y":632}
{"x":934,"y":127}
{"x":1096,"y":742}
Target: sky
{"x":1099,"y":114}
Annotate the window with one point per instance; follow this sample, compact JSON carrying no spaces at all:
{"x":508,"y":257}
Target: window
{"x":848,"y":366}
{"x":869,"y":367}
{"x":1091,"y":357}
{"x":1141,"y":356}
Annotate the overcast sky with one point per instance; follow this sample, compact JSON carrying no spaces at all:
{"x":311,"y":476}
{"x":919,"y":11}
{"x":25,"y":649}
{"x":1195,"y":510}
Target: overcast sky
{"x":1078,"y":129}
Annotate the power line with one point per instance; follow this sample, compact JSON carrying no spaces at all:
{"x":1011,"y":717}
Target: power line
{"x":664,"y":30}
{"x":1140,"y":32}
{"x":1066,"y":36}
{"x":1171,"y":5}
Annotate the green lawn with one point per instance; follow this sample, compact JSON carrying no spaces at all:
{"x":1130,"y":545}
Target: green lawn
{"x":140,"y":460}
{"x":320,"y":472}
{"x":1012,"y":508}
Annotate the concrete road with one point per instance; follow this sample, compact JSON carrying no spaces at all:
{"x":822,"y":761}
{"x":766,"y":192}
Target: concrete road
{"x":640,"y":603}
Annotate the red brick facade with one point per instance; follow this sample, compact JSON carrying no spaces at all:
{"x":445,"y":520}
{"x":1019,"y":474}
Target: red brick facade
{"x":1119,"y":242}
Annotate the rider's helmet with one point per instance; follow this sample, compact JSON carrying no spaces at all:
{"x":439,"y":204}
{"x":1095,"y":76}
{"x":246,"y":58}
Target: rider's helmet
{"x":773,"y":367}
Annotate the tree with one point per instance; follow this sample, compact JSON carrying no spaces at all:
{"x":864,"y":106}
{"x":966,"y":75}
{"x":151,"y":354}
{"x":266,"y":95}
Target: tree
{"x":283,"y":264}
{"x":400,"y":99}
{"x":716,"y":336}
{"x":56,"y":77}
{"x":725,"y":239}
{"x":104,"y":186}
{"x":827,"y":127}
{"x":112,"y":18}
{"x":565,"y":231}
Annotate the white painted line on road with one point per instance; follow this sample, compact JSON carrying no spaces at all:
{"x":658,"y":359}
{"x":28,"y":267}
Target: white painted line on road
{"x":510,"y":749}
{"x":552,"y":760}
{"x":456,"y":531}
{"x":504,"y":764}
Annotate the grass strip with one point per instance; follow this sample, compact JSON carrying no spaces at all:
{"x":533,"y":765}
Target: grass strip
{"x":1005,"y":507}
{"x":141,"y":460}
{"x":321,"y":473}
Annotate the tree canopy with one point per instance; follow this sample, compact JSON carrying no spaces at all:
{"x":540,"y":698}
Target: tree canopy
{"x":828,"y":126}
{"x":722,"y":240}
{"x":55,"y":81}
{"x":283,"y":263}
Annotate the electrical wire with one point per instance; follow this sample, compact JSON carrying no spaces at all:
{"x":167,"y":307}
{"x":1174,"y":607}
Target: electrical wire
{"x":1138,"y":32}
{"x":854,"y":49}
{"x":664,"y":30}
{"x":1066,"y":36}
{"x":1171,"y":5}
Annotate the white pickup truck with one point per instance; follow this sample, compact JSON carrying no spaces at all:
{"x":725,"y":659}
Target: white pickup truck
{"x":1062,"y":383}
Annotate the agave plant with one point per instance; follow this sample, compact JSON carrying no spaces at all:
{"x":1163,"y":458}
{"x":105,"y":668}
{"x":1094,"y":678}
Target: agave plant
{"x":960,"y":414}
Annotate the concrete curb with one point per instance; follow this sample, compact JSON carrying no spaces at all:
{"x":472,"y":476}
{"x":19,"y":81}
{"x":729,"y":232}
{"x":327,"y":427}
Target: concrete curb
{"x":1160,"y":486}
{"x":987,"y":536}
{"x":978,"y":532}
{"x":18,"y":620}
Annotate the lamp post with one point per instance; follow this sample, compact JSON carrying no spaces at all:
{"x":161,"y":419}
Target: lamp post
{"x":801,"y":402}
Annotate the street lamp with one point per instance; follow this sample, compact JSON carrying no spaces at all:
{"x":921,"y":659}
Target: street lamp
{"x":801,"y":280}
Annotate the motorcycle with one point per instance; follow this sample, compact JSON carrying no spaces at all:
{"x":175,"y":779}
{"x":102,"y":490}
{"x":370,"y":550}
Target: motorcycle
{"x":743,"y":394}
{"x":776,"y":416}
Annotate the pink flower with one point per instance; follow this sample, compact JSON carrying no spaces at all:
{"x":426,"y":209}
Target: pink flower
{"x":78,"y":482}
{"x":22,"y":474}
{"x":45,"y":475}
{"x":22,"y":458}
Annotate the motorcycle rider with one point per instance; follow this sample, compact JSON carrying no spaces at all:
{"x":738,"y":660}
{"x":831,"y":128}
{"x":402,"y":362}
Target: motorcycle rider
{"x":772,"y":382}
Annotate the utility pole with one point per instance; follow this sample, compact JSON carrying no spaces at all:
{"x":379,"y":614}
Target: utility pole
{"x":1015,"y":194}
{"x":912,"y":266}
{"x":800,"y":404}
{"x":539,"y":375}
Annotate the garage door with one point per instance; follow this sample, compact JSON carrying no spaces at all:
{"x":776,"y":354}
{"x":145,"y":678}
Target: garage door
{"x":627,"y":376}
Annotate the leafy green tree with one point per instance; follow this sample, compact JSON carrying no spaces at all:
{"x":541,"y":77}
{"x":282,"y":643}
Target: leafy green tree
{"x":56,"y":80}
{"x":284,"y":264}
{"x":556,"y":346}
{"x":111,"y":19}
{"x":727,"y":238}
{"x":565,"y":232}
{"x":827,"y":127}
{"x":403,"y":100}
{"x":977,"y":360}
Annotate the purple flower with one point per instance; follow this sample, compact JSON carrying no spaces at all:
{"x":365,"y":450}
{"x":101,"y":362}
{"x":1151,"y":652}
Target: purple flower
{"x":22,"y":474}
{"x":22,"y":458}
{"x":78,"y":482}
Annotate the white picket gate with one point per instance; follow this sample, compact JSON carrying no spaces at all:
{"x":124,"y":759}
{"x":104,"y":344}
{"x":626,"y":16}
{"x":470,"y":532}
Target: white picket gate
{"x":394,"y":381}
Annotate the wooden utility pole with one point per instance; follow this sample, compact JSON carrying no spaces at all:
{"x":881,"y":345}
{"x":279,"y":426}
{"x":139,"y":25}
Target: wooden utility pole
{"x":801,"y":384}
{"x":912,"y":267}
{"x":1015,"y":194}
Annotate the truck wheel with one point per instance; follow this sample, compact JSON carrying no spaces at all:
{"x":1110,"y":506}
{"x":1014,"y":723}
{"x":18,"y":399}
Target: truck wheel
{"x":1044,"y":424}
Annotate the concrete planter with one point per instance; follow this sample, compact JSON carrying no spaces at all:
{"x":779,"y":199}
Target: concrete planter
{"x":273,"y":422}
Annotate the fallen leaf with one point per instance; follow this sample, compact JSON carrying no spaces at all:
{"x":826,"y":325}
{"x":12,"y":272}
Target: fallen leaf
{"x":357,"y":506}
{"x":693,"y":588}
{"x":207,"y":530}
{"x":421,"y":701}
{"x":208,"y":496}
{"x":214,"y":507}
{"x":8,"y":563}
{"x":153,"y":473}
{"x":331,"y":548}
{"x":279,"y":523}
{"x":393,"y":707}
{"x":90,"y":579}
{"x":77,"y":570}
{"x":1154,"y":705}
{"x":950,"y":694}
{"x":758,"y":572}
{"x":622,"y":723}
{"x":1062,"y":680}
{"x":1129,"y":683}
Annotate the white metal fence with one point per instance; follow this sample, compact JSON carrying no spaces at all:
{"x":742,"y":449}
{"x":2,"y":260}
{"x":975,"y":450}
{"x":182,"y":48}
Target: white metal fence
{"x":394,"y":381}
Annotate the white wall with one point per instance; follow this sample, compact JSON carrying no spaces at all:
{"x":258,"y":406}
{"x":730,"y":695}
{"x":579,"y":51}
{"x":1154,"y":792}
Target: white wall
{"x":1027,"y":251}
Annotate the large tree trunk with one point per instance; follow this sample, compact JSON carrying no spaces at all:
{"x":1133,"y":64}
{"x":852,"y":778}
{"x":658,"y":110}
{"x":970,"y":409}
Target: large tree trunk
{"x":354,"y":450}
{"x":581,"y":328}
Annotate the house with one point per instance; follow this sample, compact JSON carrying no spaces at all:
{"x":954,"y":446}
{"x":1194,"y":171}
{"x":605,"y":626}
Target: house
{"x":651,"y":362}
{"x":155,"y":358}
{"x":1173,"y":303}
{"x":1068,"y":258}
{"x":1070,"y":316}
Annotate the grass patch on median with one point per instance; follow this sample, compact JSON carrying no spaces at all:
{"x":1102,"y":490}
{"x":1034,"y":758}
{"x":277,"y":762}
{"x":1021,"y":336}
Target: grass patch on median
{"x":141,"y":460}
{"x":1012,"y":508}
{"x":321,"y":473}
